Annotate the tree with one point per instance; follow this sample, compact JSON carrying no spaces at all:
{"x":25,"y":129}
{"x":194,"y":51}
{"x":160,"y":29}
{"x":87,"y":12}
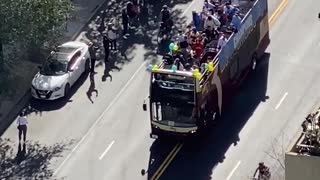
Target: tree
{"x":277,"y":153}
{"x":32,"y":21}
{"x":27,"y":25}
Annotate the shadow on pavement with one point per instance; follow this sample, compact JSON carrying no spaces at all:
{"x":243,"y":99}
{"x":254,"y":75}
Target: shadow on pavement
{"x":31,"y":161}
{"x":38,"y":106}
{"x":160,"y":149}
{"x":144,"y":35}
{"x":198,"y":157}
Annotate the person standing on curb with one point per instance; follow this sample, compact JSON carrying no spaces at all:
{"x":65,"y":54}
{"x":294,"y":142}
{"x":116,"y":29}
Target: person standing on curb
{"x":112,"y":36}
{"x":93,"y":57}
{"x":22,"y":126}
{"x":125,"y":23}
{"x":106,"y":46}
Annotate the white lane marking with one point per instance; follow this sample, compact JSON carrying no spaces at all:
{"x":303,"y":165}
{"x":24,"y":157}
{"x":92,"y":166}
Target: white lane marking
{"x":100,"y":117}
{"x":186,"y":10}
{"x":109,"y":107}
{"x":233,"y":170}
{"x":105,"y":152}
{"x":281,"y":100}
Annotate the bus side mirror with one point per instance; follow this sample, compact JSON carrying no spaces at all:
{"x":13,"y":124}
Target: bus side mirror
{"x":144,"y":106}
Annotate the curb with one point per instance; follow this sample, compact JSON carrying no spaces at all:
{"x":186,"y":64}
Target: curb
{"x":9,"y":118}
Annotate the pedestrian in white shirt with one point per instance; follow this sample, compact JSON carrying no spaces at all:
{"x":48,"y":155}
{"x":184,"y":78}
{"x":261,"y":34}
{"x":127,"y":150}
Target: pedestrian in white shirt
{"x":112,"y":36}
{"x":22,"y":126}
{"x":222,"y":41}
{"x":211,"y":23}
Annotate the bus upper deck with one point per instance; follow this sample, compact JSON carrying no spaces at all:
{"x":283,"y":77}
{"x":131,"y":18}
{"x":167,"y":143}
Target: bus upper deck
{"x":214,"y":35}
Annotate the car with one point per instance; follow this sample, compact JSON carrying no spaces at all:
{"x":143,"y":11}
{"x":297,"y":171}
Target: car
{"x":63,"y":67}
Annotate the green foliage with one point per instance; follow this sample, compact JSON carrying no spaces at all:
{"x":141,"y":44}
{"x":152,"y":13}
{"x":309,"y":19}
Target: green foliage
{"x":25,"y":25}
{"x":32,"y":21}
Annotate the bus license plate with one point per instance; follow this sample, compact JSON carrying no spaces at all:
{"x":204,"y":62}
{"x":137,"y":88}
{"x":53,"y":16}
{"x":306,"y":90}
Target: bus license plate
{"x":171,"y":123}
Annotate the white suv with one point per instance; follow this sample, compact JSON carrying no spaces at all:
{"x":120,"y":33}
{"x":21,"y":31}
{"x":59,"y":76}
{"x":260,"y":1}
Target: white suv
{"x":62,"y":69}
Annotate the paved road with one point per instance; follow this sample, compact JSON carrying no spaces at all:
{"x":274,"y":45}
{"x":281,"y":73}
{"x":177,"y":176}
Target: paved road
{"x":108,"y":139}
{"x":268,"y":111}
{"x":68,"y":137}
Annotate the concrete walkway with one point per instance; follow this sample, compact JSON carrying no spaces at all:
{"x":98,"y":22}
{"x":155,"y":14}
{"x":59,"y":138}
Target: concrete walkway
{"x":85,"y":11}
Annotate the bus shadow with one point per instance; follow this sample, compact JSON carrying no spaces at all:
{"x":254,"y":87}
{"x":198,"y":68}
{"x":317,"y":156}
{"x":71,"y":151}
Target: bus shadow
{"x":198,"y":157}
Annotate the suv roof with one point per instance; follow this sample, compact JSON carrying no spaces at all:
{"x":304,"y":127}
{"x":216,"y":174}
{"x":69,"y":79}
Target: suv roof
{"x":63,"y":53}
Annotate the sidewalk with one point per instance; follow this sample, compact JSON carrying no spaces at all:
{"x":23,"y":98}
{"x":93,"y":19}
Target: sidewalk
{"x":24,"y":72}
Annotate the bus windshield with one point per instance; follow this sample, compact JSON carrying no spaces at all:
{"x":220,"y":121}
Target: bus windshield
{"x":172,"y":88}
{"x":173,"y":99}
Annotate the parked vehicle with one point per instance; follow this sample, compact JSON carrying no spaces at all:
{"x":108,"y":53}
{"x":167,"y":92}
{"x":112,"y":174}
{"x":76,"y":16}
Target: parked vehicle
{"x":61,"y":70}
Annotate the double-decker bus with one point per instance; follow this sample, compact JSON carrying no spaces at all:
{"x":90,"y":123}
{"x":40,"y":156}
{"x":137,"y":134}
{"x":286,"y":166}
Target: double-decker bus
{"x":183,"y":102}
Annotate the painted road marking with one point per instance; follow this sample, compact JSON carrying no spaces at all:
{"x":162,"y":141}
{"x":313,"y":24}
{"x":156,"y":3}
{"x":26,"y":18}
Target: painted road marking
{"x":233,"y":170}
{"x":281,"y":100}
{"x":274,"y":16}
{"x":107,"y":109}
{"x":105,"y":152}
{"x":271,"y":20}
{"x":100,"y":117}
{"x":167,"y":161}
{"x":186,"y":10}
{"x":277,"y":12}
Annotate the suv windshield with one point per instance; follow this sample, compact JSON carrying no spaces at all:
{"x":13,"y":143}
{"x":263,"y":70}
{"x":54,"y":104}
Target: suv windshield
{"x":54,"y":67}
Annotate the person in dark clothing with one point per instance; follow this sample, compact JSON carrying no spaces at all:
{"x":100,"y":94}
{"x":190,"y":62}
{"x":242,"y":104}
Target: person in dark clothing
{"x":125,"y":23}
{"x":92,"y":51}
{"x":106,"y":46}
{"x":165,"y":14}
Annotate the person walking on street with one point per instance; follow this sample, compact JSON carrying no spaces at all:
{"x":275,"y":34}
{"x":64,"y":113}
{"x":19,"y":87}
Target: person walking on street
{"x":93,"y":57}
{"x":22,"y":126}
{"x":125,"y":23}
{"x":106,"y":46}
{"x":112,"y":36}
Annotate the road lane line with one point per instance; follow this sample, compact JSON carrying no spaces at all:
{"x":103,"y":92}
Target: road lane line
{"x":281,"y":100}
{"x":271,"y":20}
{"x":278,"y":12}
{"x":165,"y":161}
{"x":100,"y":117}
{"x":233,"y":170}
{"x":108,"y":108}
{"x":186,"y":10}
{"x":274,"y":16}
{"x":105,"y":152}
{"x":169,"y":161}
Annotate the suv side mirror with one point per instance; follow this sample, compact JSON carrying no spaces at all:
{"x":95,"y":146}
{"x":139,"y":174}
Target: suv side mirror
{"x":144,"y":106}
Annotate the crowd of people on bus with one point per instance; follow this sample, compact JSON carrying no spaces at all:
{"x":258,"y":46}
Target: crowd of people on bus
{"x":209,"y":32}
{"x":200,"y":41}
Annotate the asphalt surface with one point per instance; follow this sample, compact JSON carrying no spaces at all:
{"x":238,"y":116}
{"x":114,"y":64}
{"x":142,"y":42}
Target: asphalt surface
{"x":109,"y":138}
{"x":268,"y":111}
{"x":67,"y":137}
